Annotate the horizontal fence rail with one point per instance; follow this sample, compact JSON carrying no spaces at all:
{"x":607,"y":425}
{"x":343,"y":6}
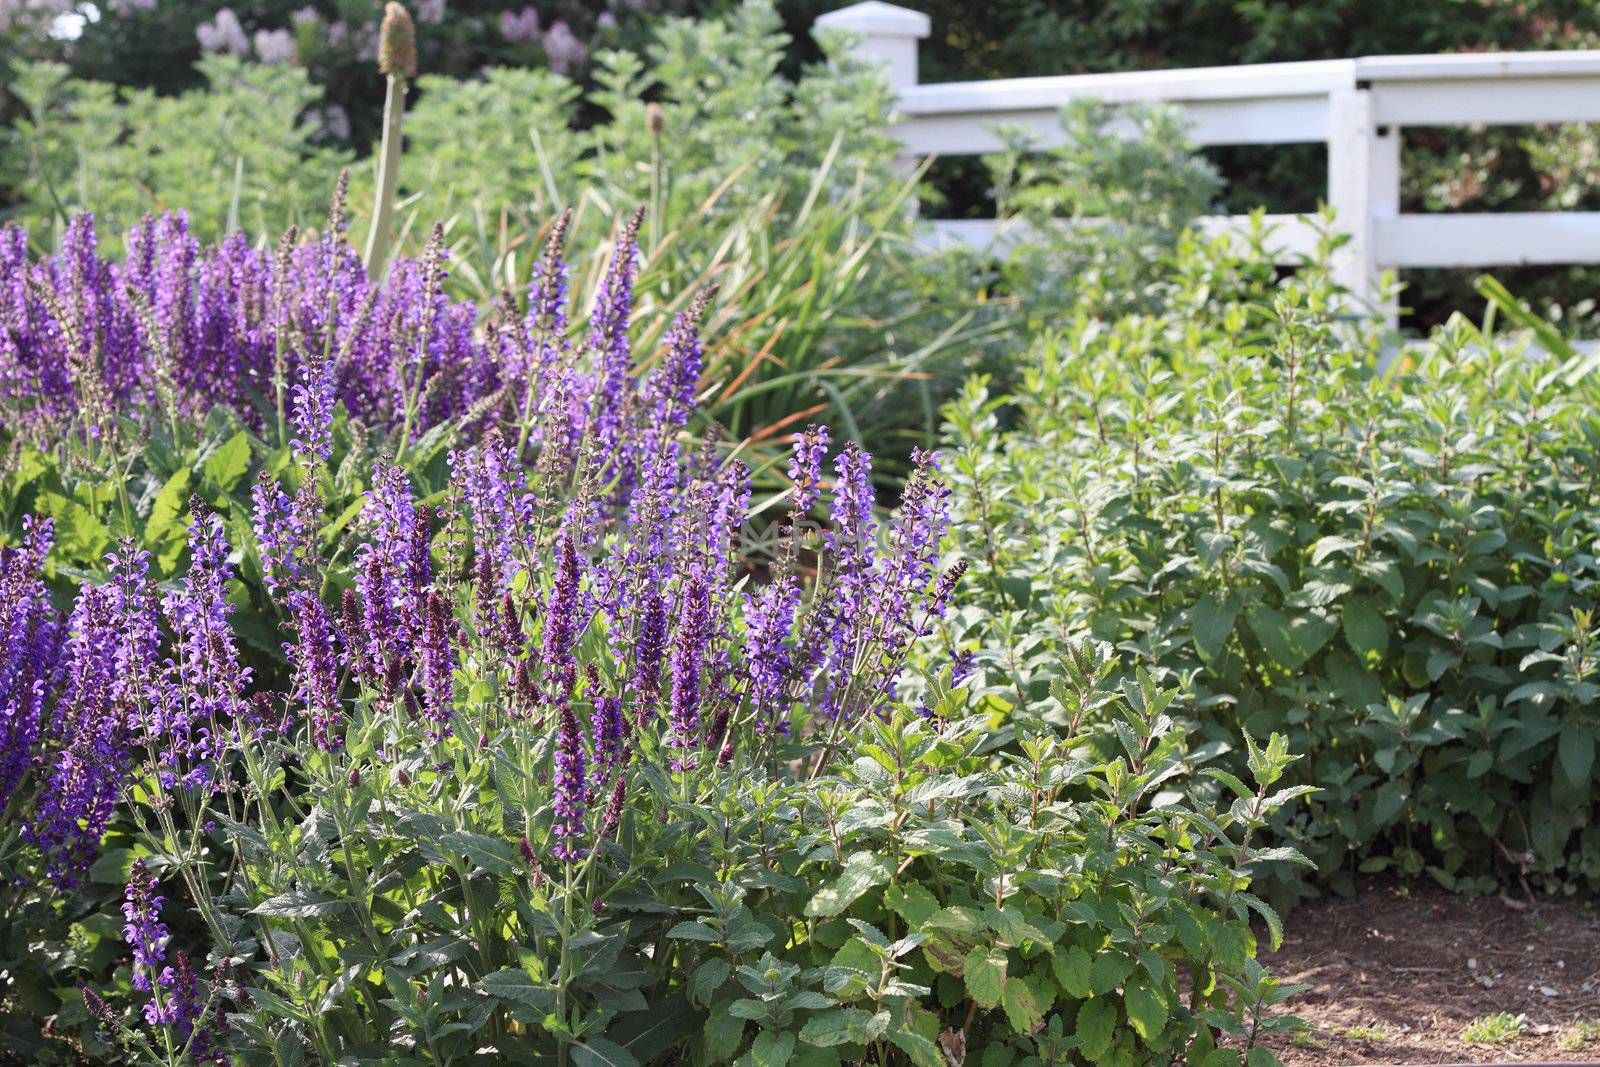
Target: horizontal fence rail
{"x":1357,"y":107}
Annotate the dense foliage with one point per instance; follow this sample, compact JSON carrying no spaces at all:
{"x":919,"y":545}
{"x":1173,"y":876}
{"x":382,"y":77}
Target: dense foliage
{"x":524,"y":750}
{"x":146,"y":44}
{"x":1395,"y":569}
{"x":795,"y":215}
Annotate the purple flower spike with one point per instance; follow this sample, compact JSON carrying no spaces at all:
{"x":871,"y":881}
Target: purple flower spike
{"x":143,"y":929}
{"x":314,"y":657}
{"x":571,"y":790}
{"x":805,"y":467}
{"x":30,"y":649}
{"x":689,"y":647}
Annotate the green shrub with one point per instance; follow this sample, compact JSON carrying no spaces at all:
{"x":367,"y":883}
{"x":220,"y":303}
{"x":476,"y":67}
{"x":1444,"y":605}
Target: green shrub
{"x":237,"y":155}
{"x":1396,"y":570}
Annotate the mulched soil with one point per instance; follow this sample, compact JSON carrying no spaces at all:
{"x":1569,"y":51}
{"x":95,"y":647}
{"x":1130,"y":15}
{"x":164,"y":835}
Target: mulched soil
{"x":1396,"y":974}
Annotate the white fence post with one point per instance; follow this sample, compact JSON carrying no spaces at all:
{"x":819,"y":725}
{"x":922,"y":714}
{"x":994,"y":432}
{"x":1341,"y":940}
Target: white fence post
{"x":888,"y":34}
{"x":1363,"y":190}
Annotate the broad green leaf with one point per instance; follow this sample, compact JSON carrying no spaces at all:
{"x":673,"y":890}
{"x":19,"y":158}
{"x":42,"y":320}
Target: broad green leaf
{"x":862,"y":872}
{"x":515,"y":986}
{"x":1072,"y":969}
{"x":708,"y":978}
{"x":1576,"y":750}
{"x":1364,"y":629}
{"x":1108,"y":971}
{"x":694,"y":931}
{"x":772,"y":1050}
{"x":229,"y":462}
{"x":1021,"y":1007}
{"x":299,"y":905}
{"x":985,"y":976}
{"x":912,"y":902}
{"x":598,"y":1052}
{"x":844,"y":1026}
{"x":1097,"y":1021}
{"x":1147,"y":1011}
{"x":170,"y":505}
{"x":1212,"y":620}
{"x":921,"y":1051}
{"x":724,"y":1031}
{"x":1291,"y":642}
{"x":493,"y":854}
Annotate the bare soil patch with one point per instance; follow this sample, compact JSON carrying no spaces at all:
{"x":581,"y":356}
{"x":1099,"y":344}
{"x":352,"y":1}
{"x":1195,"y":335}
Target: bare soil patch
{"x":1396,"y":975}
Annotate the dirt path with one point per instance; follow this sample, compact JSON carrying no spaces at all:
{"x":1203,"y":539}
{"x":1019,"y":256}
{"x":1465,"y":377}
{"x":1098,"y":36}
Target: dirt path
{"x":1396,"y":976}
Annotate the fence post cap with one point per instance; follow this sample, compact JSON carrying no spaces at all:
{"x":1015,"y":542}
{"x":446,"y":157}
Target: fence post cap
{"x":877,"y":19}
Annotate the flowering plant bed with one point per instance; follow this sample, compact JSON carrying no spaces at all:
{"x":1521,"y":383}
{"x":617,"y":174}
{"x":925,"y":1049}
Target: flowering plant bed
{"x":478,"y":735}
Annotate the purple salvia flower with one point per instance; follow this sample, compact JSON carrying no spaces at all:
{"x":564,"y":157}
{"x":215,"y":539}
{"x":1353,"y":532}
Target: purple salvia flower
{"x":30,"y":649}
{"x":608,"y":728}
{"x":281,"y":538}
{"x":204,"y":700}
{"x":561,"y":622}
{"x":690,"y":643}
{"x":501,"y":508}
{"x":393,"y":569}
{"x":852,"y":542}
{"x":87,"y":741}
{"x":769,"y":622}
{"x":437,"y":665}
{"x":142,"y":928}
{"x":314,"y":659}
{"x":314,"y":400}
{"x":571,"y":789}
{"x":608,"y":338}
{"x":805,"y":467}
{"x":613,"y":817}
{"x":671,"y":389}
{"x":650,"y":648}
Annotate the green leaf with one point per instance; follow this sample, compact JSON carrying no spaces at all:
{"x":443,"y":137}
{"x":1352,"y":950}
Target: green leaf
{"x":862,"y":872}
{"x":229,"y":462}
{"x":1072,"y":968}
{"x":1261,"y":1056}
{"x":1022,"y":1008}
{"x":844,"y":1026}
{"x":724,"y":1031}
{"x":1147,"y":1012}
{"x":694,"y":931}
{"x":1097,"y":1020}
{"x":169,"y":507}
{"x":112,"y":866}
{"x":514,"y":986}
{"x":1212,"y":619}
{"x":1108,"y":971}
{"x":913,"y":903}
{"x":920,"y":1050}
{"x":985,"y":976}
{"x":772,"y":1050}
{"x":299,"y":905}
{"x":598,"y":1052}
{"x":708,"y":978}
{"x":1364,"y":629}
{"x":1576,"y":751}
{"x":1291,"y":642}
{"x":493,"y":854}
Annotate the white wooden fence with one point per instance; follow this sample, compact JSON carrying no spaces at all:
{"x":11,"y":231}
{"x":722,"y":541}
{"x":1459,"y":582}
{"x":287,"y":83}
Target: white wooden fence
{"x":1357,"y":107}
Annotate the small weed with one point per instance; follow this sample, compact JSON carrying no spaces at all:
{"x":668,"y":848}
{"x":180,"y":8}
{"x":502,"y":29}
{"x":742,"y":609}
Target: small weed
{"x":1304,"y":1040}
{"x":1365,"y":1033}
{"x":1493,"y":1029}
{"x":1583,"y":1032}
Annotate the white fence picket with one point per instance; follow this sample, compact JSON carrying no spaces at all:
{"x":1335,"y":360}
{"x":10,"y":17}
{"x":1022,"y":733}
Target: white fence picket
{"x":1356,"y":107}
